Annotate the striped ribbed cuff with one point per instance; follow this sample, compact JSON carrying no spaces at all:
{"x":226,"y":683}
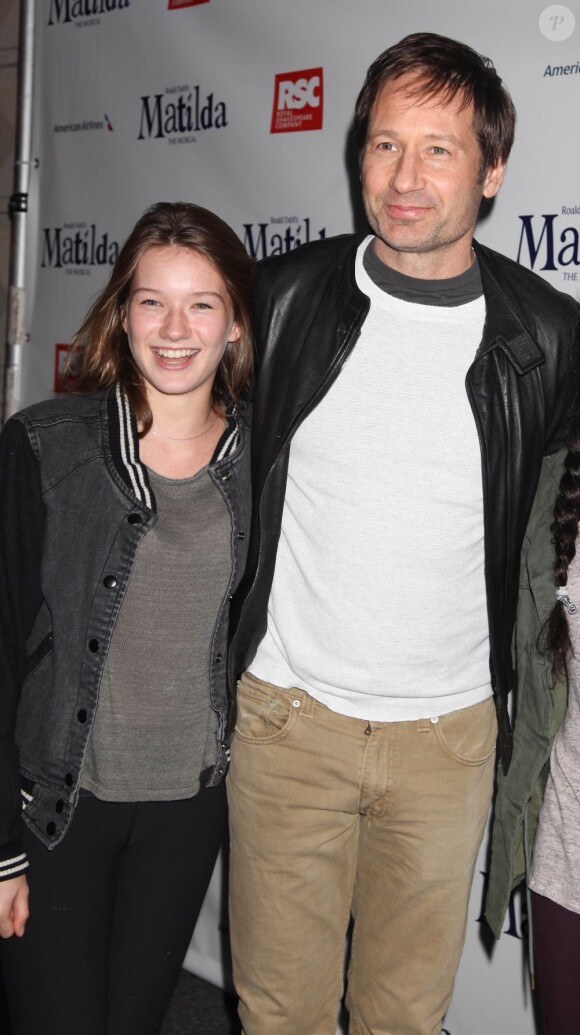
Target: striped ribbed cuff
{"x":13,"y":866}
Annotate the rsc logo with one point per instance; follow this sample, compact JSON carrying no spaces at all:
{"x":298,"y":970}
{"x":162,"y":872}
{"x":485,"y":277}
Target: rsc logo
{"x":298,"y":101}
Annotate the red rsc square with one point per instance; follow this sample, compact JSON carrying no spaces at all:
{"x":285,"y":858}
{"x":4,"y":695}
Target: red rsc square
{"x":64,"y":377}
{"x":172,"y":5}
{"x":298,"y":101}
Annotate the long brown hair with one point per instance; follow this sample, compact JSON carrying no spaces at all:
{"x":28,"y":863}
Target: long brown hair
{"x":100,"y":349}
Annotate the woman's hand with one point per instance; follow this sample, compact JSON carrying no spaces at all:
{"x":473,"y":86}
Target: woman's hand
{"x":13,"y":906}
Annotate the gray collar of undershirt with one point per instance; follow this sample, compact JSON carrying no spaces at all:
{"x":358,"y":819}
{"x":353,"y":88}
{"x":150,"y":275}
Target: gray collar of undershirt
{"x":451,"y":292}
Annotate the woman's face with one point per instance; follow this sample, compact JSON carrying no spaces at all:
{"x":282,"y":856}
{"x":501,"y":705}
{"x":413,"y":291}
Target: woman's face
{"x":178,"y":319}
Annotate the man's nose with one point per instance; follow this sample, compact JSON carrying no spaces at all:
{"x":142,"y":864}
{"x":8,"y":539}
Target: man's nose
{"x":407,"y":173}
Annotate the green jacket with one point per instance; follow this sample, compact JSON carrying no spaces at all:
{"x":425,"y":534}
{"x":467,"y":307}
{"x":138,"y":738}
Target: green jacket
{"x":539,"y":707}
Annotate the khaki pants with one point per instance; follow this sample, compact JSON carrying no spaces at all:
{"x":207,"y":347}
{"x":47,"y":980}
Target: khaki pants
{"x":332,"y":816}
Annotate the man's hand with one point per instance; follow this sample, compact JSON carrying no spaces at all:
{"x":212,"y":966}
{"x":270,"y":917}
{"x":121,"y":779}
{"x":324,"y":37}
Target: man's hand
{"x":13,"y":907}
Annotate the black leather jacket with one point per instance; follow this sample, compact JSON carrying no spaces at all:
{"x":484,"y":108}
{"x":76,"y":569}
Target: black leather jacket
{"x":309,"y":312}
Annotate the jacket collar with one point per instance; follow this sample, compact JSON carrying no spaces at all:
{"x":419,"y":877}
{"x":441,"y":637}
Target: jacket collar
{"x":124,"y":445}
{"x":505,"y":325}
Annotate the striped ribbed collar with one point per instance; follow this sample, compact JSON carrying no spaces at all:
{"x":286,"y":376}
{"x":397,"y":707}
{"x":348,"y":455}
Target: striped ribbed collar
{"x":124,"y":444}
{"x":229,"y":441}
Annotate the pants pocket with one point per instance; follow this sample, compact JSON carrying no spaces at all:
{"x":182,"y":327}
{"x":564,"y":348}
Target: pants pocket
{"x":469,"y":735}
{"x":264,"y":713}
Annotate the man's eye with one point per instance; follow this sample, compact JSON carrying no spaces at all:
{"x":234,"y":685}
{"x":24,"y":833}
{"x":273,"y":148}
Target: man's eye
{"x":436,"y":150}
{"x":386,"y":145}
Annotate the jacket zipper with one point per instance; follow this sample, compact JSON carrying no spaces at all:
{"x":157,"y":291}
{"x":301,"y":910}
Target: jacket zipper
{"x":485,"y":486}
{"x":319,"y":394}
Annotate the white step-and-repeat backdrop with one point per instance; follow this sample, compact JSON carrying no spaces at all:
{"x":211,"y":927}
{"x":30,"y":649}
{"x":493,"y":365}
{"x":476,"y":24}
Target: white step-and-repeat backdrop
{"x":244,"y":106}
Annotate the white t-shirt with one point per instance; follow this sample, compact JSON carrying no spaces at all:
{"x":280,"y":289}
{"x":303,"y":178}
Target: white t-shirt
{"x":378,"y":603}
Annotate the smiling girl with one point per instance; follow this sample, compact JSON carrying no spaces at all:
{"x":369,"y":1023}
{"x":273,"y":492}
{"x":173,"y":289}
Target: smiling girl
{"x":123,"y":536}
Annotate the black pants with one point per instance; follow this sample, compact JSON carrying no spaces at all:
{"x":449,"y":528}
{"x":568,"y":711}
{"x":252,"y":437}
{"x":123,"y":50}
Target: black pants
{"x":112,"y":910}
{"x":557,"y":949}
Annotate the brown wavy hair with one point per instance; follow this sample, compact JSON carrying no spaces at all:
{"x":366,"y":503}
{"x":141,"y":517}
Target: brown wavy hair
{"x":100,"y":352}
{"x":447,"y":68}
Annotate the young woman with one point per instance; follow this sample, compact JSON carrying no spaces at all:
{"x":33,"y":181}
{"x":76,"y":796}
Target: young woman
{"x":124,"y":512}
{"x":554,"y":877}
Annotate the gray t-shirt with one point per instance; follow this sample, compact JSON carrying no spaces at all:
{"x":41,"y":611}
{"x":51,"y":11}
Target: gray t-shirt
{"x":154,"y":730}
{"x":556,"y":863}
{"x":452,"y":291}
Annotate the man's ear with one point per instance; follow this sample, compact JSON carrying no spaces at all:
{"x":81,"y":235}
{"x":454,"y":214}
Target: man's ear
{"x":493,"y":180}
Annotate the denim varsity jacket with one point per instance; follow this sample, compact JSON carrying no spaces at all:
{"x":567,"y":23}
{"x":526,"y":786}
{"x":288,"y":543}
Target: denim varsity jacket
{"x":75,"y":503}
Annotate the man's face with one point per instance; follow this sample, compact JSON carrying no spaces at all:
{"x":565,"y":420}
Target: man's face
{"x":421,"y":181}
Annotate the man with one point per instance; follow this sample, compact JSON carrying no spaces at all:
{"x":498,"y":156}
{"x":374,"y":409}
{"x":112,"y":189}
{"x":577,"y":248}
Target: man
{"x":409,"y":386}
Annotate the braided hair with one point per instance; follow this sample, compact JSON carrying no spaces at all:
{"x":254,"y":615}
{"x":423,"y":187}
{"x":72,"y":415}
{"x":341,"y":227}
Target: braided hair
{"x":565,"y":534}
